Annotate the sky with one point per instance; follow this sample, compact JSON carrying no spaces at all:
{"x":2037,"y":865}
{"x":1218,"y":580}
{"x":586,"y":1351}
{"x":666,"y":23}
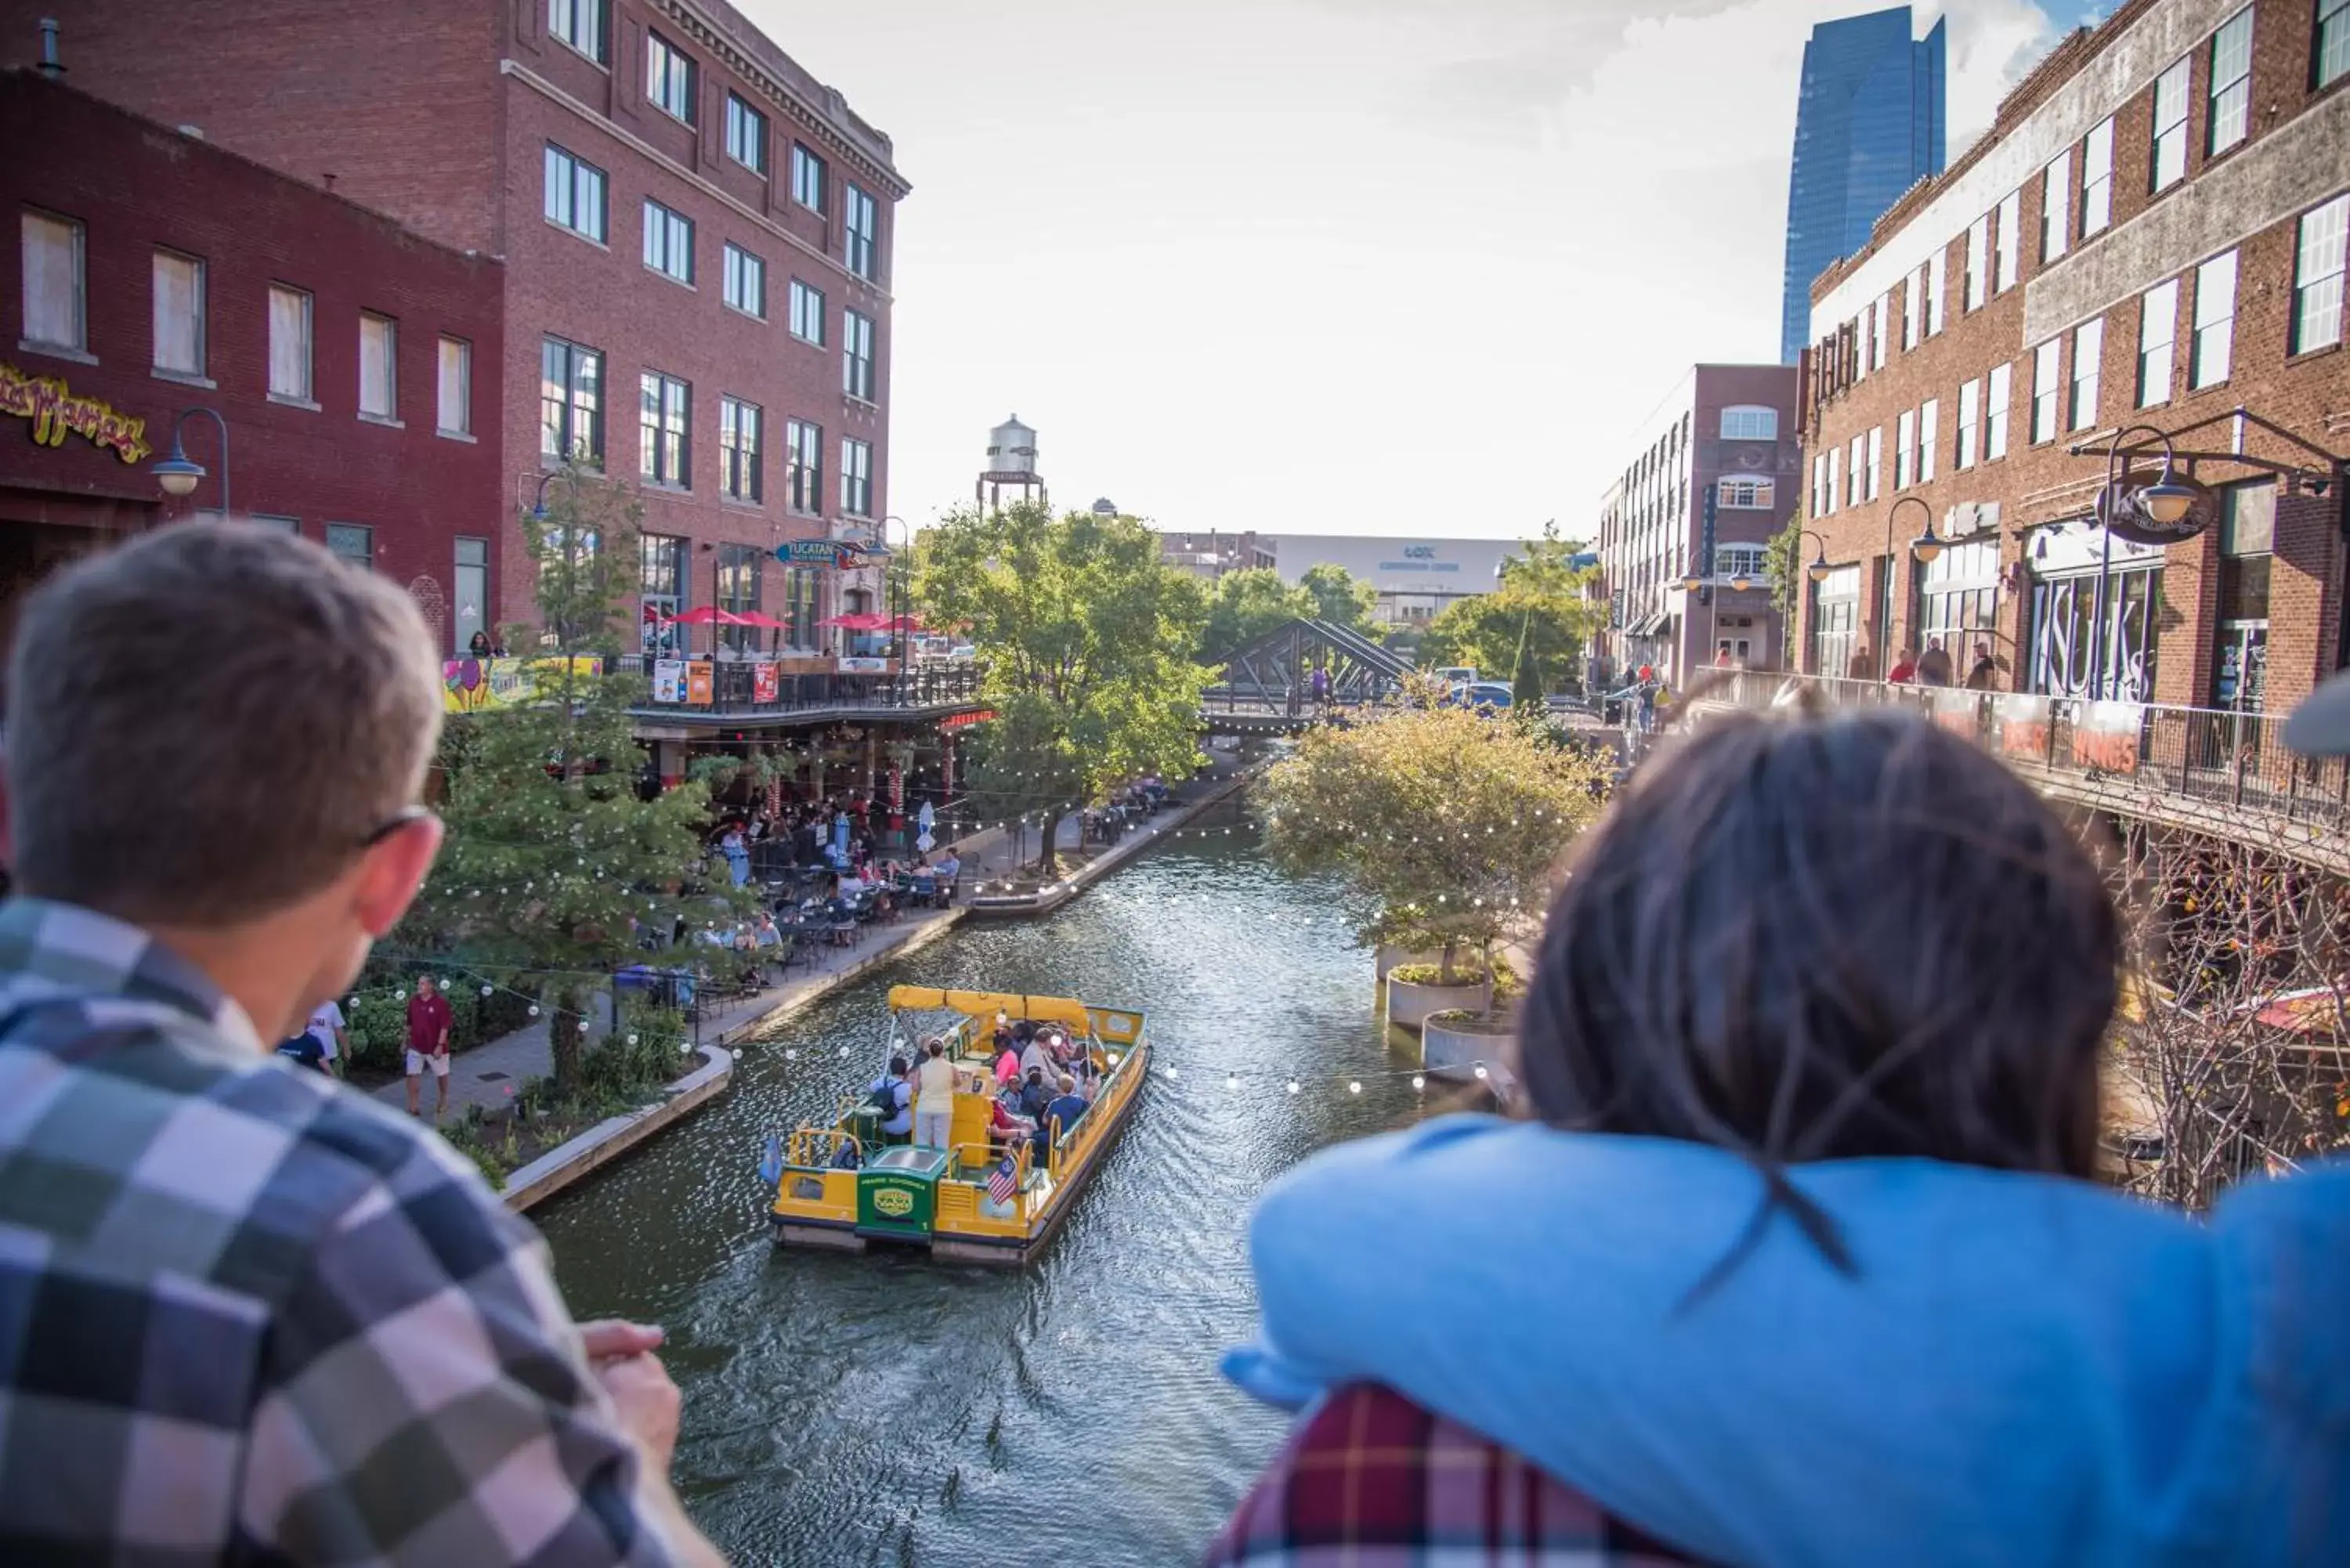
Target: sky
{"x":1335,"y":266}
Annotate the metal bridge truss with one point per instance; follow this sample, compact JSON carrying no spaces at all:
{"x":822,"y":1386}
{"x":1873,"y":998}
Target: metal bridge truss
{"x":1276,"y":672}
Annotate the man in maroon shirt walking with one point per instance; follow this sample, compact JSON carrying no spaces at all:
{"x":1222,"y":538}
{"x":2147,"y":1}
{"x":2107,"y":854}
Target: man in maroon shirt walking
{"x":428,"y":1043}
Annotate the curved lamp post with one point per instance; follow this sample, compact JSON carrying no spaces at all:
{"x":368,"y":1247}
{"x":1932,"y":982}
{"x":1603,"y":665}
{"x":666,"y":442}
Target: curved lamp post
{"x":178,"y":473}
{"x":1925,"y":546}
{"x":2166,"y":501}
{"x":1819,"y":569}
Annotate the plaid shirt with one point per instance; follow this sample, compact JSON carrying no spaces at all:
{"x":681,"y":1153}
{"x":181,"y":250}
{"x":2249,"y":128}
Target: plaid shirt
{"x":248,"y":1318}
{"x":1369,"y":1479}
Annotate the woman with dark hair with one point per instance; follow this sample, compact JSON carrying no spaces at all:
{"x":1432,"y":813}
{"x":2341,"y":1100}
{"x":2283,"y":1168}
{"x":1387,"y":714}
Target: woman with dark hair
{"x":1795,"y":1253}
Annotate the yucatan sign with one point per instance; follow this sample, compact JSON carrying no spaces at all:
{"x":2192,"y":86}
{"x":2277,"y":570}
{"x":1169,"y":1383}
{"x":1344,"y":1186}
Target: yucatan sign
{"x":57,"y":413}
{"x":839,"y":554}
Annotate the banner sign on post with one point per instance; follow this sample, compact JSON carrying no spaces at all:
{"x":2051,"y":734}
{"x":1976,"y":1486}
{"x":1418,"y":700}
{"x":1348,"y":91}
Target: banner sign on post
{"x":766,"y":686}
{"x":837,"y":555}
{"x":2023,"y":726}
{"x":669,"y":681}
{"x":2106,"y":735}
{"x":855,"y":666}
{"x":699,"y":683}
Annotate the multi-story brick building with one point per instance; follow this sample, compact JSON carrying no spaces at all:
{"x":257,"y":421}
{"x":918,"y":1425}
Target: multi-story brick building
{"x":696,"y":236}
{"x":350,"y":365}
{"x":2150,"y":235}
{"x":1727,"y":431}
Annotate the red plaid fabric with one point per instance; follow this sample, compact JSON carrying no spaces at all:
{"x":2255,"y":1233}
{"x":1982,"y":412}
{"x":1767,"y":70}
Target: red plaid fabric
{"x":1372,"y":1481}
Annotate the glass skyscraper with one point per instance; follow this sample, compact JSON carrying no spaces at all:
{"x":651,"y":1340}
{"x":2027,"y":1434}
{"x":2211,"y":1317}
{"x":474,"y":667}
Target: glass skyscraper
{"x":1869,"y":125}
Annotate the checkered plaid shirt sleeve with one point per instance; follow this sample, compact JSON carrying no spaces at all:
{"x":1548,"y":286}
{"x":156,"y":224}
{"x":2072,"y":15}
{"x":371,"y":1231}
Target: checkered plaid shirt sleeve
{"x":426,"y":1401}
{"x":1369,"y":1479}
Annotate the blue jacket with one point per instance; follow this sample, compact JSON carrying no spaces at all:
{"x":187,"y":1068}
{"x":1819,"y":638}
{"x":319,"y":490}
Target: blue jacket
{"x":2027,"y":1373}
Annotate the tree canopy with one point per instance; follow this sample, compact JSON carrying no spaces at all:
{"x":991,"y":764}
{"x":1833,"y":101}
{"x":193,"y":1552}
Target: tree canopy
{"x":1085,"y":637}
{"x":1244,"y":605}
{"x":550,"y":851}
{"x":1340,"y":598}
{"x":1538,"y":616}
{"x":1446,"y":825}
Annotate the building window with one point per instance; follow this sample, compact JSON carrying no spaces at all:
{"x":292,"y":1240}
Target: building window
{"x":582,"y":24}
{"x":803,"y":466}
{"x":2241,"y":650}
{"x":455,"y":415}
{"x":2065,"y":633}
{"x":1938,"y":268}
{"x":571,"y":403}
{"x":857,"y":355}
{"x":379,"y":367}
{"x":354,"y":542}
{"x":1751,"y":562}
{"x":1913,"y":303}
{"x":1744,"y":492}
{"x":289,"y":343}
{"x":2055,"y":199}
{"x":179,"y":313}
{"x":1749,"y":422}
{"x":668,"y":78}
{"x":2088,"y":360}
{"x":1958,"y":597}
{"x":861,"y":227}
{"x":746,"y":135}
{"x":1978,"y":262}
{"x":1969,"y":419}
{"x":2157,"y":331}
{"x":668,"y":241}
{"x":661,"y":586}
{"x":807,"y":313}
{"x":665,"y":429}
{"x":1905,"y":442}
{"x":2045,"y":379}
{"x":746,"y":282}
{"x":2317,"y":276}
{"x":738,"y":593}
{"x":856,"y":477}
{"x":1819,"y":485}
{"x":2097,"y":180}
{"x":741,"y":429}
{"x":1930,"y":431}
{"x":2331,"y":59}
{"x":807,"y":179}
{"x":1998,"y":393}
{"x":574,"y":193}
{"x":2008,"y":237}
{"x":276,"y":524}
{"x":2231,"y":82}
{"x":1876,"y":459}
{"x":798,"y":610}
{"x":1856,"y":492}
{"x":471,"y":577}
{"x":1836,"y":622}
{"x":2215,"y":323}
{"x":56,"y":307}
{"x":1880,"y":332}
{"x":2170,"y":126}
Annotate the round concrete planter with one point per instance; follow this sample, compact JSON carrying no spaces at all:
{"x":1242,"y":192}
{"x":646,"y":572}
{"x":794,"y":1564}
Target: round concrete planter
{"x":1451,"y":1048}
{"x":1408,"y":1005}
{"x":1396,"y":958}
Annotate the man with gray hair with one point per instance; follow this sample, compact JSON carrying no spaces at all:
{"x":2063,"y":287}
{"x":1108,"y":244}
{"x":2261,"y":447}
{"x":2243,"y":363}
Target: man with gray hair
{"x":246,"y":1317}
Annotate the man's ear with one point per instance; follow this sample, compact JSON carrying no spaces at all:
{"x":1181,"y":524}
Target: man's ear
{"x":393,"y":873}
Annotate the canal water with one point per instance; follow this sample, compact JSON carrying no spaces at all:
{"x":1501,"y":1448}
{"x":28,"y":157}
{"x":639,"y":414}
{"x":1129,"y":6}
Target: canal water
{"x":886,"y":1410}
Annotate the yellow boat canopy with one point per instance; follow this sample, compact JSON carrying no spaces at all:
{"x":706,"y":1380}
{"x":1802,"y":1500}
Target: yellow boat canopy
{"x":987,"y":1004}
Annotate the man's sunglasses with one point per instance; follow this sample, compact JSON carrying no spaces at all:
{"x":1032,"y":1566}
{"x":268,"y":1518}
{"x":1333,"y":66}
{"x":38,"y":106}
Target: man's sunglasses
{"x":394,"y":823}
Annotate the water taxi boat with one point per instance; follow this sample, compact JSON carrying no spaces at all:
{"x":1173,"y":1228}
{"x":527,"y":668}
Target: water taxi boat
{"x":843,"y":1187}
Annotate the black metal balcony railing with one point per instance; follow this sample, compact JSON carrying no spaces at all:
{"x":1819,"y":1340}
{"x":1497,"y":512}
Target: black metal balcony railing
{"x":736,"y":688}
{"x":2200,"y":759}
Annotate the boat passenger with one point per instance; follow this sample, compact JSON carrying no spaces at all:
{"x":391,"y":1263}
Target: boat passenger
{"x":1063,"y":1113}
{"x":1007,"y":1060}
{"x":1034,"y":1095}
{"x":893,"y":1096}
{"x":1004,"y":1130}
{"x":934,"y":1091}
{"x":1038,"y":1058}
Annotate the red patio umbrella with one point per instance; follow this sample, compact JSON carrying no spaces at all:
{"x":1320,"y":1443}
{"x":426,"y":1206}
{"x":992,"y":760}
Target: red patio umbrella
{"x":703,"y":615}
{"x":862,"y":621}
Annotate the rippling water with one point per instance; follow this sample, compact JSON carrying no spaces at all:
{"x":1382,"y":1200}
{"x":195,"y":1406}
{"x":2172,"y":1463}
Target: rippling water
{"x":887,"y":1410}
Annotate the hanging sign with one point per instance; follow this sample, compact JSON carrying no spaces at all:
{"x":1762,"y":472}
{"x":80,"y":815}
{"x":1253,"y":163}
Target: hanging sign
{"x":669,"y":681}
{"x":2126,"y":519}
{"x":832,"y":555}
{"x":766,"y":686}
{"x":699,"y":683}
{"x":855,"y":666}
{"x":57,"y":413}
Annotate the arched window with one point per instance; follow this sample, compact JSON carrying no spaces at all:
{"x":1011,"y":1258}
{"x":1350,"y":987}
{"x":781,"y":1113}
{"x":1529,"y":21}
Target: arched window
{"x":1748,"y":422}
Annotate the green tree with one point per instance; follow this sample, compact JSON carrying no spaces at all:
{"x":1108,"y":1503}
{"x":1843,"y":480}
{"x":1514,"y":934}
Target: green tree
{"x":1340,"y":598}
{"x":1087,"y":639}
{"x":1244,"y":605}
{"x":1540,"y":612}
{"x":1784,"y":555}
{"x":1445,"y":826}
{"x":551,"y":855}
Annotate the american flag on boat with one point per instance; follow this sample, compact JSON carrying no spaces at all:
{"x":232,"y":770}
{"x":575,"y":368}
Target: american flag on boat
{"x":1000,"y":1185}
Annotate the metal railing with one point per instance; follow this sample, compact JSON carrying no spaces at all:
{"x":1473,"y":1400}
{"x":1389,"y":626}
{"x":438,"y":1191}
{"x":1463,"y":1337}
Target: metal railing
{"x":2199,"y":756}
{"x":736,"y":688}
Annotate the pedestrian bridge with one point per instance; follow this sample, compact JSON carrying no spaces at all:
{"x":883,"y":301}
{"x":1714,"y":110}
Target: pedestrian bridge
{"x":1267,"y":687}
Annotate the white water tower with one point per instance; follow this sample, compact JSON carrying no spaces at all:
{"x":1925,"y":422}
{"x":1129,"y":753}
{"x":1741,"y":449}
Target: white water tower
{"x":1011,"y":465}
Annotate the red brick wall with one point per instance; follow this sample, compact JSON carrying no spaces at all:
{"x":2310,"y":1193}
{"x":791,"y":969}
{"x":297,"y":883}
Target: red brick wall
{"x":135,"y":186}
{"x":2309,"y":396}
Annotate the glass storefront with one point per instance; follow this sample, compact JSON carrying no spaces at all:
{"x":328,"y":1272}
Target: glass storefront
{"x":1835,"y":621}
{"x":1958,"y":599}
{"x":2240,"y":648}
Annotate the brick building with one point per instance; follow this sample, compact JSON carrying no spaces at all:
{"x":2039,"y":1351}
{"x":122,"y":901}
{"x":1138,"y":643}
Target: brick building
{"x":2151,"y":234}
{"x":352,"y":362}
{"x":696,"y":236}
{"x":1727,"y":431}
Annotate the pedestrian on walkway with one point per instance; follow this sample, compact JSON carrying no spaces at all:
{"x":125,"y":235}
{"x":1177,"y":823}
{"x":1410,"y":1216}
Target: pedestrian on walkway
{"x":429,"y":1022}
{"x":326,"y":1027}
{"x":364,"y":1356}
{"x":1934,"y":664}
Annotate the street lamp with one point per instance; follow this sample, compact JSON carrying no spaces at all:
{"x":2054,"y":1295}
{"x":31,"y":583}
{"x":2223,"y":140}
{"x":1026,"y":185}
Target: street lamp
{"x":178,"y":474}
{"x":1925,"y":546}
{"x":1819,"y":569}
{"x":2166,"y":501}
